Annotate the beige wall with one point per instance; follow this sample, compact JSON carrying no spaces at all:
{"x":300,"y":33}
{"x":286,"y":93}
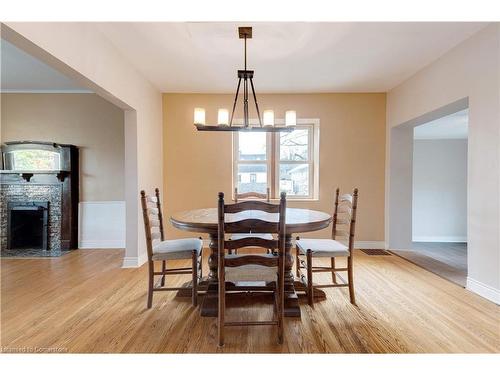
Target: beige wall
{"x":352,"y":150}
{"x":80,"y":51}
{"x":85,"y":120}
{"x":470,"y":70}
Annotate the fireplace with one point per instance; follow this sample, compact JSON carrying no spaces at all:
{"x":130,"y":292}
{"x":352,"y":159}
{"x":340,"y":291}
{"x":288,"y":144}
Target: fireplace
{"x":27,"y":225}
{"x":39,"y":190}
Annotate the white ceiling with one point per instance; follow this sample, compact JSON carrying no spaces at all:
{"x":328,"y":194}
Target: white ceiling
{"x":454,"y":126}
{"x":287,"y":57}
{"x":22,"y":72}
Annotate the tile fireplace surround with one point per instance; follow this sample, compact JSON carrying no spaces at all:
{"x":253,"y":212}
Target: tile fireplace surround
{"x":51,"y":193}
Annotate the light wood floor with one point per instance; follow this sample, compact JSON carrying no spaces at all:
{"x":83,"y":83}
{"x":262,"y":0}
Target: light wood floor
{"x":84,"y":302}
{"x":446,"y":259}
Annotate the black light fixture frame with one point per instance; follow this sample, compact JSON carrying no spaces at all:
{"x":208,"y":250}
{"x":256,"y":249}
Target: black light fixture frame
{"x":245,"y":75}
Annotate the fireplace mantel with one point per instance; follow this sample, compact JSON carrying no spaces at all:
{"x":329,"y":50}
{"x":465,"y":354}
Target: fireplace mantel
{"x":27,"y":175}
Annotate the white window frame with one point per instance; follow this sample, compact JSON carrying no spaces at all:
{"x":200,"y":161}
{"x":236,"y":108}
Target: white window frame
{"x":273,"y":158}
{"x":14,"y":152}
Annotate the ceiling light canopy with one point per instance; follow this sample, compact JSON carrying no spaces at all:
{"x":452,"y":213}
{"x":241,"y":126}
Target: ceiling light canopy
{"x":225,"y":123}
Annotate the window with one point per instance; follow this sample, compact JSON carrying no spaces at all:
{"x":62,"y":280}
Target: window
{"x":252,"y":162}
{"x":35,"y":160}
{"x":283,"y":161}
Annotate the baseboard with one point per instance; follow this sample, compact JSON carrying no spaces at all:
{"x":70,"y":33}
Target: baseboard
{"x":134,"y":262}
{"x":369,"y":245}
{"x":483,"y":290}
{"x":101,"y":224}
{"x":102,"y":244}
{"x":357,"y":244}
{"x":439,"y":239}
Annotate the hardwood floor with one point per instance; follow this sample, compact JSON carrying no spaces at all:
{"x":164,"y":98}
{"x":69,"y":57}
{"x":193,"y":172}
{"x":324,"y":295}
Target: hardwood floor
{"x":84,"y":302}
{"x":446,"y":259}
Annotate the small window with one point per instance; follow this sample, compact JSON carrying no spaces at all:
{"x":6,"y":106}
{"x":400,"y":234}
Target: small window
{"x":281,"y":161}
{"x":35,"y":160}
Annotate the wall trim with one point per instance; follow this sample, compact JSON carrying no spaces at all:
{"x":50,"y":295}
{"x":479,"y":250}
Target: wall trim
{"x":369,"y":244}
{"x":101,"y":244}
{"x":101,"y":225}
{"x":483,"y":290}
{"x":439,"y":239}
{"x":134,"y":262}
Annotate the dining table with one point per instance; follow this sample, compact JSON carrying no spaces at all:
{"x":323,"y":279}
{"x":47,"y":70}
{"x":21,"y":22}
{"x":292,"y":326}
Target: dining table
{"x":298,"y":220}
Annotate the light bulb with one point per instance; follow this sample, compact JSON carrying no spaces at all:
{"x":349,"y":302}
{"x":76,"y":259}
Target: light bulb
{"x":199,"y":116}
{"x":223,"y":117}
{"x":268,"y":117}
{"x":290,"y":118}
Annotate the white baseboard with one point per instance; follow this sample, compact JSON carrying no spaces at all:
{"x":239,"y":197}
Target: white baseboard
{"x":101,"y":244}
{"x":439,"y":239}
{"x":134,"y":262}
{"x":369,"y":245}
{"x":483,"y":290}
{"x":357,"y":244}
{"x":101,"y":225}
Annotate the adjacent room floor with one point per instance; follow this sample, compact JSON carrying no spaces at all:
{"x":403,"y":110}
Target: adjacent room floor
{"x":446,"y":259}
{"x":84,"y":302}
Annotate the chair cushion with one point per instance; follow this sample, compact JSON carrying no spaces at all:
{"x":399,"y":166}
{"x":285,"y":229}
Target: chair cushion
{"x":239,"y":236}
{"x":177,"y":249}
{"x":322,"y":247}
{"x":251,"y":272}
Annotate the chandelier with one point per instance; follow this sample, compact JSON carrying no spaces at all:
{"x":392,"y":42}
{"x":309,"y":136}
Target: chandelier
{"x":225,"y":123}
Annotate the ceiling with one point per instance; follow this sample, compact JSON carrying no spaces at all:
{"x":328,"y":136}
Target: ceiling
{"x":287,"y":57}
{"x":454,"y":126}
{"x":22,"y":72}
{"x":291,"y":57}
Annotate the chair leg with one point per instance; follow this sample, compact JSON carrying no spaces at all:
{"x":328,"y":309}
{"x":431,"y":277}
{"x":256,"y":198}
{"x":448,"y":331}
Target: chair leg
{"x":163,"y":268}
{"x":350,"y":280}
{"x":201,"y":265}
{"x":297,"y":262}
{"x":222,"y":305}
{"x":310,"y":291}
{"x":280,"y":296}
{"x":334,"y":277}
{"x":150,"y":283}
{"x":194,"y":290}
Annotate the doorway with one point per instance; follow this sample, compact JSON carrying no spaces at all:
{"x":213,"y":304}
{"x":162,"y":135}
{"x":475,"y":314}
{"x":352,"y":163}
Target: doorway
{"x":428,"y":191}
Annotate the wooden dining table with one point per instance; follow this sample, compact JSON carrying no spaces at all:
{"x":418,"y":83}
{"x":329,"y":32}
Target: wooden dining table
{"x":298,"y":220}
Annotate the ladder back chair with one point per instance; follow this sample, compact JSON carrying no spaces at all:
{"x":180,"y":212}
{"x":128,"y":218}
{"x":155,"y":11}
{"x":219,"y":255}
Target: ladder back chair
{"x":163,"y":250}
{"x":273,"y":262}
{"x":252,"y":195}
{"x":340,"y":245}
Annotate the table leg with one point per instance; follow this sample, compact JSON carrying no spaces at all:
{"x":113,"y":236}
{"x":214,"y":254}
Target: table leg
{"x":292,"y":308}
{"x":209,"y":304}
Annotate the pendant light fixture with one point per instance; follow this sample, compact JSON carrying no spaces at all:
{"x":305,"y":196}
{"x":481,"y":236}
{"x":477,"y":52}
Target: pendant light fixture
{"x":225,"y":122}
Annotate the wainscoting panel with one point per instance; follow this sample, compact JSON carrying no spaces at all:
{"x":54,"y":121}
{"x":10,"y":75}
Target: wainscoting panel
{"x":102,"y":225}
